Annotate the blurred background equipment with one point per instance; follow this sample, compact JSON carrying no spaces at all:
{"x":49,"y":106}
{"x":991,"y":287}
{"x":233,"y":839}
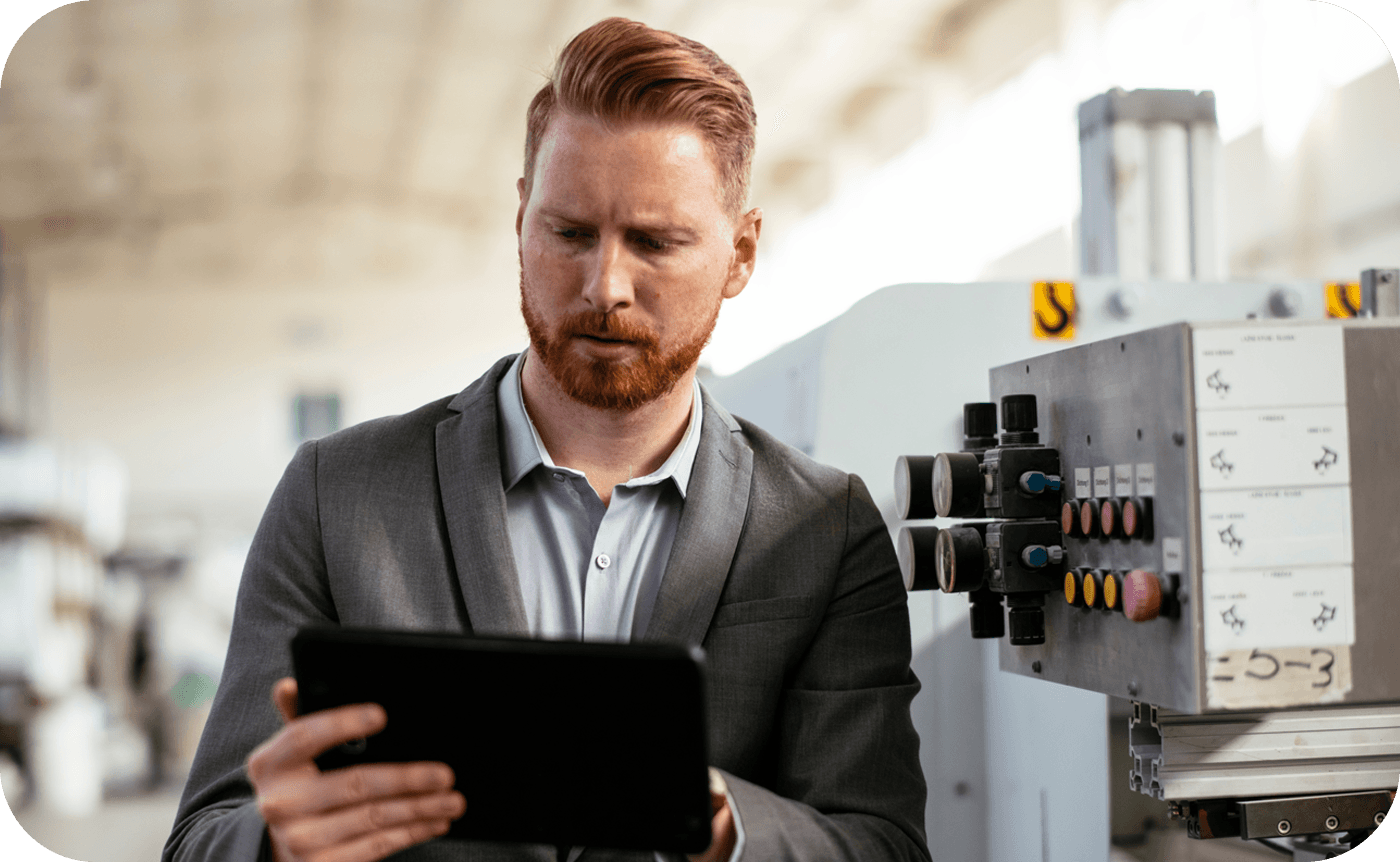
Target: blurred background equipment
{"x":228,"y":227}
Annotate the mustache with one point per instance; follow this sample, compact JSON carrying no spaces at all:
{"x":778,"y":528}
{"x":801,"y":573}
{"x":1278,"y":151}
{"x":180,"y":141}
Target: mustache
{"x":608,"y":325}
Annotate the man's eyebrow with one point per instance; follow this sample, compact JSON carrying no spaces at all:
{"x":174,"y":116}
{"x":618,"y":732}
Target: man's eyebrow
{"x":658,"y":226}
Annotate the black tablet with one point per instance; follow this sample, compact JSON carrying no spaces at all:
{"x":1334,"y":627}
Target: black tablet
{"x":552,"y":742}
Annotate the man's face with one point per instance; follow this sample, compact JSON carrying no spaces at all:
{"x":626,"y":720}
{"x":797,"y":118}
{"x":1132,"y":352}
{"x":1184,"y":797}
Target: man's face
{"x":626,"y":253}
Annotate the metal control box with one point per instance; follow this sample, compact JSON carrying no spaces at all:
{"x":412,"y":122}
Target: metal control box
{"x":1266,"y":456}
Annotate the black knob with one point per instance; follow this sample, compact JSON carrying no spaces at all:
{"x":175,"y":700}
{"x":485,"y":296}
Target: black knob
{"x":957,"y":485}
{"x":961,"y":560}
{"x":1018,"y":420}
{"x":979,"y":426}
{"x":917,"y":548}
{"x":1027,"y":626}
{"x":988,"y":617}
{"x":913,"y":486}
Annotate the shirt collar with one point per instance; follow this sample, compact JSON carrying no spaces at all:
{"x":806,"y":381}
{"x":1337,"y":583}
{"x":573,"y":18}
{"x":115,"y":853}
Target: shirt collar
{"x":523,"y":450}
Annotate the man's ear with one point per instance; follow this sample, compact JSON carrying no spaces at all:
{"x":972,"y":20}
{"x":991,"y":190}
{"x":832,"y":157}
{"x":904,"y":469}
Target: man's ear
{"x":746,"y":233}
{"x":520,"y":213}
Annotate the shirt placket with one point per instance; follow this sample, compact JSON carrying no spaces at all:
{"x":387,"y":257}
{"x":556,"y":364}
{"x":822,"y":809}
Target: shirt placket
{"x":606,"y":613}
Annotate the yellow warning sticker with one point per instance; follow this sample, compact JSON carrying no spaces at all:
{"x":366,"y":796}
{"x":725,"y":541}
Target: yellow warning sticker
{"x":1343,"y":298}
{"x":1052,"y":309}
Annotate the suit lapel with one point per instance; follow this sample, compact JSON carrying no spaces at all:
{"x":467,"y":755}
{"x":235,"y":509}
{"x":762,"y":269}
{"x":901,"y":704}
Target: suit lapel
{"x":716,"y":503}
{"x":474,"y":502}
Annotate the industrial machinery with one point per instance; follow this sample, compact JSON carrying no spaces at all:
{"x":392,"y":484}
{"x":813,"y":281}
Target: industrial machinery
{"x":1197,"y":517}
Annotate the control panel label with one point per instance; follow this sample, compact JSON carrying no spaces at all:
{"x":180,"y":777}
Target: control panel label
{"x":1275,"y":526}
{"x":1258,"y":678}
{"x":1145,"y":479}
{"x":1083,"y":483}
{"x":1274,"y":468}
{"x":1263,"y":366}
{"x":1287,"y":606}
{"x":1173,"y":557}
{"x":1103,"y":482}
{"x":1123,"y":480}
{"x":1282,"y":446}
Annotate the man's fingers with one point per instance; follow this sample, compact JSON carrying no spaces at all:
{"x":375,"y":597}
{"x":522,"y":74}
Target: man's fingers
{"x":349,"y":825}
{"x":378,"y":845}
{"x":353,"y":787}
{"x":284,"y":697}
{"x":297,"y":744}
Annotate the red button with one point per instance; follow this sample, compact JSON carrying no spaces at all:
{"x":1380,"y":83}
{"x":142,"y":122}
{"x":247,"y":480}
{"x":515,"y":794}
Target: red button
{"x":1142,"y":596}
{"x":1087,"y":517}
{"x":1069,"y":518}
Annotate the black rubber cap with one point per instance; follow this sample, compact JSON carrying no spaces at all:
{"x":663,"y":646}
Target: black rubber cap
{"x":1027,"y":626}
{"x":980,"y":419}
{"x":988,"y":616}
{"x":1018,"y":413}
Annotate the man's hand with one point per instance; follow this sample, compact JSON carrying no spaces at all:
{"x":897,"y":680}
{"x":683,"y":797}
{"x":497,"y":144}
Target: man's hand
{"x":722,"y":834}
{"x":357,"y":814}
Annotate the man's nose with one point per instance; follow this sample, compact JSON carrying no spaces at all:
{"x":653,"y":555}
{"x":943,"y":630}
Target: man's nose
{"x":608,"y":285}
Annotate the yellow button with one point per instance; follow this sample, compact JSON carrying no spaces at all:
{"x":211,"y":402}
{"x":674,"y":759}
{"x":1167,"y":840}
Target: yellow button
{"x":1110,"y":591}
{"x":1071,"y":588}
{"x":1090,"y":589}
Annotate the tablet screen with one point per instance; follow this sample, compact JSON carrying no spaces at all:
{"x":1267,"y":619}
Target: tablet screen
{"x":564,"y":743}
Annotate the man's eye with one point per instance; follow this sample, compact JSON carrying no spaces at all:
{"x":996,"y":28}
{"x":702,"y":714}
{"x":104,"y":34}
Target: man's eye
{"x":653,"y":244}
{"x":571,"y":233}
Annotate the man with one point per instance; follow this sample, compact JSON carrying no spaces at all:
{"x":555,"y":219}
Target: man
{"x":588,"y":488}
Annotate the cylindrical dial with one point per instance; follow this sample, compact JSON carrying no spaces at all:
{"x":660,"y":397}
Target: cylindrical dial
{"x":1018,"y":413}
{"x":961,"y":560}
{"x":957,"y":485}
{"x":979,"y":425}
{"x":1018,"y":420}
{"x":913,"y":486}
{"x":917,"y":548}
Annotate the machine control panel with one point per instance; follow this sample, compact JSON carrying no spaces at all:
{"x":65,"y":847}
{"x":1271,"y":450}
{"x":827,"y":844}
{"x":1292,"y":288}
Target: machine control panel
{"x":1187,"y":516}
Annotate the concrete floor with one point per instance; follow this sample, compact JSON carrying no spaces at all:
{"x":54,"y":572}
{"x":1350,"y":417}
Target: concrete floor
{"x":124,"y":830}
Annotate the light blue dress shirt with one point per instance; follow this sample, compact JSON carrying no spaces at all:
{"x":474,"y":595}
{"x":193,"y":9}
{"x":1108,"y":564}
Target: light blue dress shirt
{"x":589,"y":571}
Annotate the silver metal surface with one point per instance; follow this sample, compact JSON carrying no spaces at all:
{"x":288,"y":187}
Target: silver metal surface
{"x":1119,"y":401}
{"x":1130,"y":400}
{"x":1260,"y":754}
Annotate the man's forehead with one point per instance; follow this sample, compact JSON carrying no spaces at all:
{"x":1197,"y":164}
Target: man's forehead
{"x":580,"y":134}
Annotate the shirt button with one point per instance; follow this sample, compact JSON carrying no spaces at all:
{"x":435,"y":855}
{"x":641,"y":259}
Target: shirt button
{"x":603,"y":561}
{"x":558,"y":477}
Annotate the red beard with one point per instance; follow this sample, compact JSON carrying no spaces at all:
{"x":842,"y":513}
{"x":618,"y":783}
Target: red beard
{"x":606,"y":383}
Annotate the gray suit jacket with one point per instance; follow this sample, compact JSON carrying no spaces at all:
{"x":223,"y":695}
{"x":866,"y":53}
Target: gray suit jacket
{"x":781,"y":569}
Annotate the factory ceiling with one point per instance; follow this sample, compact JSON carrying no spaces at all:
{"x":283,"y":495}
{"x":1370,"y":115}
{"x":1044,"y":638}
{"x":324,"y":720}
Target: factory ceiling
{"x":219,"y":140}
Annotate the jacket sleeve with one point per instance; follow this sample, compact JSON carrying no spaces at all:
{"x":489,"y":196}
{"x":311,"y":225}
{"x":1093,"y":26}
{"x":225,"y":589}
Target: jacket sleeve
{"x":283,"y":588}
{"x":848,"y":783}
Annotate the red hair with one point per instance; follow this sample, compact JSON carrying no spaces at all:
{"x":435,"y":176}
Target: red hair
{"x":624,"y":71}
